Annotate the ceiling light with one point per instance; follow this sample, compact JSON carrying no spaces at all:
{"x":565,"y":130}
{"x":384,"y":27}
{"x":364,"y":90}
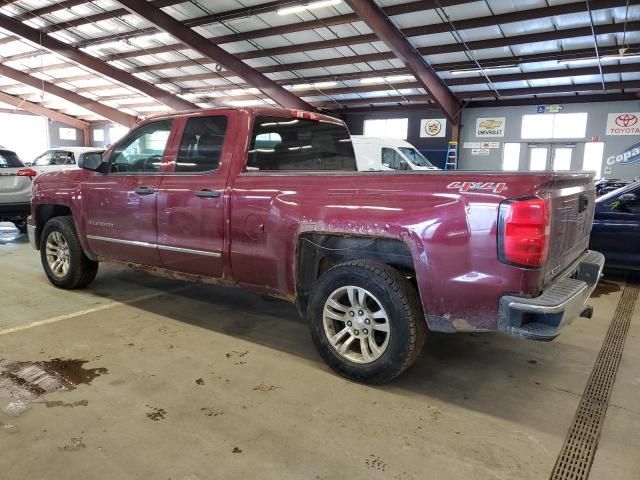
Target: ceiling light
{"x":307,"y":86}
{"x":372,"y":80}
{"x":480,"y":70}
{"x":579,"y":61}
{"x":308,"y":6}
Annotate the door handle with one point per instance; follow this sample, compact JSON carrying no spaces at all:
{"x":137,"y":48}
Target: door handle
{"x":206,"y":193}
{"x":144,"y":191}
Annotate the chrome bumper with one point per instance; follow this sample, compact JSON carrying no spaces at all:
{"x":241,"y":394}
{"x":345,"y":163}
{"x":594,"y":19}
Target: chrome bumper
{"x":542,"y":317}
{"x":31,"y":231}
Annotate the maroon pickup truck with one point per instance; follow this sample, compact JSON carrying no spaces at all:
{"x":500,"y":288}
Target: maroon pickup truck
{"x":269,"y":199}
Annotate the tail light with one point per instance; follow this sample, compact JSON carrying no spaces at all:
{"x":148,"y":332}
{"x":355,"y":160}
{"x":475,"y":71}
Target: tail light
{"x":27,"y":172}
{"x":523,"y":232}
{"x":305,"y":115}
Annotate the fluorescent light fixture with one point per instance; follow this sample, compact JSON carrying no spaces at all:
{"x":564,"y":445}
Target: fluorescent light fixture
{"x":478,"y":70}
{"x":391,"y":79}
{"x":319,"y":85}
{"x":579,"y":61}
{"x":308,"y":6}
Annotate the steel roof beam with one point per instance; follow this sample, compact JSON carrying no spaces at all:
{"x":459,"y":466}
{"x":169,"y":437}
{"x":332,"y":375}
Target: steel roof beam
{"x":75,"y":55}
{"x":27,"y":106}
{"x":210,"y":50}
{"x":84,"y":102}
{"x":380,"y":23}
{"x":505,"y":92}
{"x":511,"y":17}
{"x":409,"y":7}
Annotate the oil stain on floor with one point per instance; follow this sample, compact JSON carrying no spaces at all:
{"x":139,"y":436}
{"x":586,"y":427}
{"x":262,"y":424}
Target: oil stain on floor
{"x":23,"y":383}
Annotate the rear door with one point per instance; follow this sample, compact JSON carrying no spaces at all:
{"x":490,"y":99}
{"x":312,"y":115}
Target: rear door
{"x":191,"y":199}
{"x":121,"y":206}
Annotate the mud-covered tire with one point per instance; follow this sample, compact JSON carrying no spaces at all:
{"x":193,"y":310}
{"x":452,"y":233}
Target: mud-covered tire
{"x":80,"y":269}
{"x":398,"y":300}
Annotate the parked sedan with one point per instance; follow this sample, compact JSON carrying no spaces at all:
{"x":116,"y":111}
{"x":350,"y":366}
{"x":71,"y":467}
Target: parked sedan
{"x":15,"y":188}
{"x":63,"y":158}
{"x":616,"y":227}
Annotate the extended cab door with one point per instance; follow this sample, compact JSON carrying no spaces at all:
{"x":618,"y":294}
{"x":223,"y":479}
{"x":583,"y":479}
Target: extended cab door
{"x":191,"y":200}
{"x":121,"y":205}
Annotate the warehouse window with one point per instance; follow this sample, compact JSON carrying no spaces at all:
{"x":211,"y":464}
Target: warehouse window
{"x":562,"y":158}
{"x":511,"y":157}
{"x":592,"y":160}
{"x":387,"y":127}
{"x":556,"y":125}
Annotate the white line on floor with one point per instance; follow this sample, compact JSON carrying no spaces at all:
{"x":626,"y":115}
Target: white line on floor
{"x":79,"y":313}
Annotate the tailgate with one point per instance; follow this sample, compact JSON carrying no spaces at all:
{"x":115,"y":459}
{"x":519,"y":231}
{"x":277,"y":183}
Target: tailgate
{"x":572,"y":206}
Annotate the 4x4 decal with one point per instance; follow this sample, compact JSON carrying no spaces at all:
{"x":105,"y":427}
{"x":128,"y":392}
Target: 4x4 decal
{"x":487,"y":186}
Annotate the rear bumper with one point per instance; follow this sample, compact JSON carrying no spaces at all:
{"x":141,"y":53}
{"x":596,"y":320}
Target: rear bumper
{"x":15,"y":210}
{"x":542,"y":318}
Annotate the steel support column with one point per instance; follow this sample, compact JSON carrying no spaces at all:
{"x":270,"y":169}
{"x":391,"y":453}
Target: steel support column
{"x":210,"y":50}
{"x":384,"y":28}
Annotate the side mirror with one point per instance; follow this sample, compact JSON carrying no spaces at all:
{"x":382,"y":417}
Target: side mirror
{"x":94,"y":162}
{"x":628,"y":199}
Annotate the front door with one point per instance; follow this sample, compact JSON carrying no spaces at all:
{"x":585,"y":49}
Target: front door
{"x":121,"y":205}
{"x":191,"y":199}
{"x":616,"y":230}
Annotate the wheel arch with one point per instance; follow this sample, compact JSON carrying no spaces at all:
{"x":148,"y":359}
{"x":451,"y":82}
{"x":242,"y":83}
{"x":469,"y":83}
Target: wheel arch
{"x":46,"y":211}
{"x":318,"y":252}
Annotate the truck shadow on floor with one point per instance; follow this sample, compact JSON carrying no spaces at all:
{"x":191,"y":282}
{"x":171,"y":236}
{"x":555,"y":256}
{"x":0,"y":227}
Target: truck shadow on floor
{"x":470,"y":369}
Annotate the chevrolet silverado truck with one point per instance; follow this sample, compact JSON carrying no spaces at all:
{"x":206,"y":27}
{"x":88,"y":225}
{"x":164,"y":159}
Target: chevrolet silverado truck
{"x":269,"y":199}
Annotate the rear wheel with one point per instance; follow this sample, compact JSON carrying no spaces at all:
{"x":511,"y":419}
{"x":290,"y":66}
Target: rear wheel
{"x":62,"y":256}
{"x":366,"y":321}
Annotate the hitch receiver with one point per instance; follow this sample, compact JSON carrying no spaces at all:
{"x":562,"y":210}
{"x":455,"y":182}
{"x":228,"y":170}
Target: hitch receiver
{"x":587,"y":312}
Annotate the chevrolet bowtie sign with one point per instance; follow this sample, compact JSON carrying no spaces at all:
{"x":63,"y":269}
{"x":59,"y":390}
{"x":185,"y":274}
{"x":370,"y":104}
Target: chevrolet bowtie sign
{"x":490,"y":127}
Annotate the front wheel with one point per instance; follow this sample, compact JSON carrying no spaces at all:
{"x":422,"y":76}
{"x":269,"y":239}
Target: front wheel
{"x":366,"y":321}
{"x":62,"y":256}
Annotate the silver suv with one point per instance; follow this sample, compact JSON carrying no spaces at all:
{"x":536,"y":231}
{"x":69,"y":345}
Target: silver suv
{"x":15,"y":188}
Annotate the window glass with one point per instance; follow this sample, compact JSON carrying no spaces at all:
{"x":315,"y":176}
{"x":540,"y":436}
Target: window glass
{"x":387,"y":127}
{"x":9,"y":160}
{"x":562,"y":158}
{"x":592,"y":160}
{"x":415,"y":157}
{"x":201,"y":144}
{"x":392,"y":159}
{"x":55,"y":157}
{"x":554,"y":125}
{"x":511,"y":157}
{"x":537,"y":158}
{"x":142,"y":150}
{"x":537,"y":126}
{"x":278,"y":143}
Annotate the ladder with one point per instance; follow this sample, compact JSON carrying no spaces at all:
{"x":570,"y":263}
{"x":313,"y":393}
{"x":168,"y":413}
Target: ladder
{"x":452,"y":156}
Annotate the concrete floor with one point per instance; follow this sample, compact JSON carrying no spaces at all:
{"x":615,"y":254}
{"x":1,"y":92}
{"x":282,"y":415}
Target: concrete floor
{"x":205,"y":383}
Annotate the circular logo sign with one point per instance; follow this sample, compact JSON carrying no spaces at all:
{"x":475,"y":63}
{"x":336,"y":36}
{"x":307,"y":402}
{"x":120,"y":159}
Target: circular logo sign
{"x":432,"y":128}
{"x":626,"y":120}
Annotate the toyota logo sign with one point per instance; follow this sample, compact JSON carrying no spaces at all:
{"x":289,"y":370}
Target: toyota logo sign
{"x":626,"y":120}
{"x":623,"y":123}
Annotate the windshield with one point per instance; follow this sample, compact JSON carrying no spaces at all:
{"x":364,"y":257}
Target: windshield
{"x":415,"y":157}
{"x":9,"y":160}
{"x":617,"y":192}
{"x":55,"y":157}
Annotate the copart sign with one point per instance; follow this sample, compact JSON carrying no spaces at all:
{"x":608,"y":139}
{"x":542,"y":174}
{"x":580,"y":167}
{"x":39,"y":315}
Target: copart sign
{"x":626,"y":157}
{"x":626,"y":123}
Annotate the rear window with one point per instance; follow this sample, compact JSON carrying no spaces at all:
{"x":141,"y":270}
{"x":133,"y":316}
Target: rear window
{"x":279,"y":143}
{"x":9,"y":159}
{"x":55,"y":157}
